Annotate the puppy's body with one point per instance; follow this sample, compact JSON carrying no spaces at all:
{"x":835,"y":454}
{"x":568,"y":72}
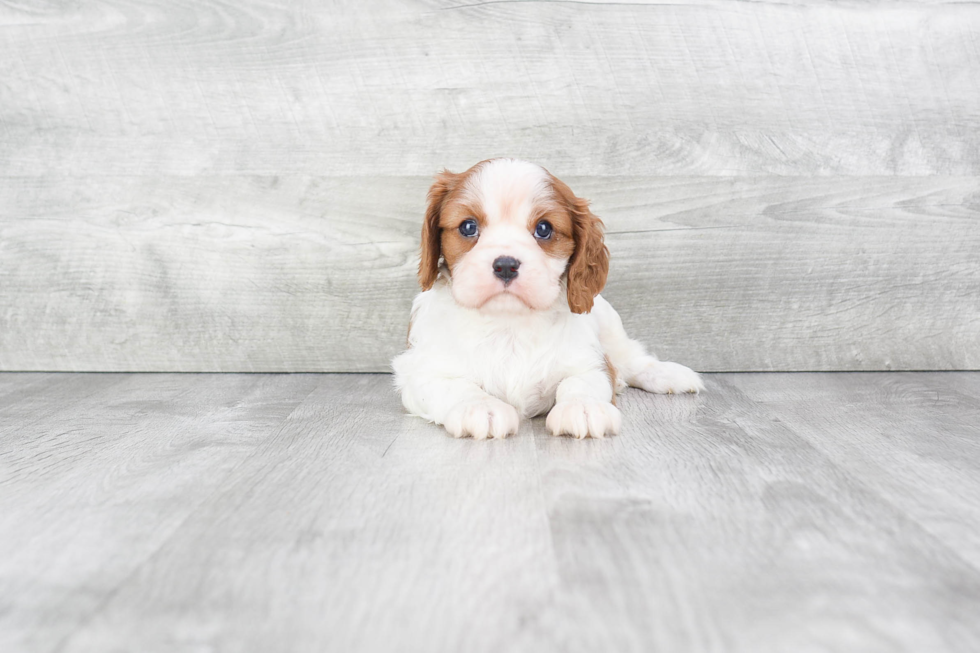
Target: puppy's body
{"x":510,"y":323}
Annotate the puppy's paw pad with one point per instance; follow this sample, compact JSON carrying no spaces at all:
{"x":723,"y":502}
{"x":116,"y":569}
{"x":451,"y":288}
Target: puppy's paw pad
{"x":584,"y":417}
{"x":664,"y":377}
{"x":482,"y":418}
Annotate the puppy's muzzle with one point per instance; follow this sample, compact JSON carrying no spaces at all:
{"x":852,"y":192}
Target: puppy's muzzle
{"x":505,"y":268}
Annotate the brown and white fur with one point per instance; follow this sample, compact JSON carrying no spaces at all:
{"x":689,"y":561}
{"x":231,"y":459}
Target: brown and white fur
{"x":492,"y":342}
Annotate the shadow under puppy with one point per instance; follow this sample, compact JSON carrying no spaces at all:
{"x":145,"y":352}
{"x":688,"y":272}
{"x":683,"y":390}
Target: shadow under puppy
{"x":510,"y":322}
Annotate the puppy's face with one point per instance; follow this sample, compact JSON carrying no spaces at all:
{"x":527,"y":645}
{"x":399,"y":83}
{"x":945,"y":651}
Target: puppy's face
{"x":511,"y":234}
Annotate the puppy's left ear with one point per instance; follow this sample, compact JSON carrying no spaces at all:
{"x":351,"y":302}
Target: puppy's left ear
{"x":444,"y":183}
{"x":589,"y":265}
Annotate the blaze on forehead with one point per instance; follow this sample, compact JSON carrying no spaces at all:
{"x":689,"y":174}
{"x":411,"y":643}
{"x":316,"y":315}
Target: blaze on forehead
{"x":505,"y":186}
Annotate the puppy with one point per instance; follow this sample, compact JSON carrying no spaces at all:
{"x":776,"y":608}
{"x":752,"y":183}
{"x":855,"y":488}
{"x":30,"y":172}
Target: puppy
{"x":510,"y":322}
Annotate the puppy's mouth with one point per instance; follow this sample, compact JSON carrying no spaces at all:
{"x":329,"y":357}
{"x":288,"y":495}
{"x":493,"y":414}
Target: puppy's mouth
{"x":505,"y":292}
{"x":505,"y":300}
{"x":514,"y":295}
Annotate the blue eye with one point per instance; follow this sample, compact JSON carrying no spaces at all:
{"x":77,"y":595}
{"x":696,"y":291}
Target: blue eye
{"x":468,"y":228}
{"x":543,"y":230}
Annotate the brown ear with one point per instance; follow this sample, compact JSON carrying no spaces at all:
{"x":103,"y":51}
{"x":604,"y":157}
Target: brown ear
{"x":431,"y":232}
{"x":589,"y":265}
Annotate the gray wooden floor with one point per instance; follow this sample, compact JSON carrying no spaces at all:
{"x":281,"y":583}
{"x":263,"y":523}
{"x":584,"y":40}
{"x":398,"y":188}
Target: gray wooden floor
{"x":775,"y":512}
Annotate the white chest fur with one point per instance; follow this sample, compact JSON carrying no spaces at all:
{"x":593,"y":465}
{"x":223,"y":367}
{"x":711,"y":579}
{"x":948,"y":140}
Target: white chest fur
{"x":518,"y":358}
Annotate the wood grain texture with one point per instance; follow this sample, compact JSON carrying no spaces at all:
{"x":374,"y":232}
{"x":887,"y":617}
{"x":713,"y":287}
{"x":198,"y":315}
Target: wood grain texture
{"x":774,"y":512}
{"x":886,"y":423}
{"x":119,"y":87}
{"x":233,"y":273}
{"x":100,"y":471}
{"x":237,"y":187}
{"x":754,"y":538}
{"x":358,"y":500}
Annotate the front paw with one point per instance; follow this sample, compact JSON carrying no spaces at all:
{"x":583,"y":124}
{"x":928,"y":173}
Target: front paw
{"x":482,"y":418}
{"x":582,"y":417}
{"x":666,"y":378}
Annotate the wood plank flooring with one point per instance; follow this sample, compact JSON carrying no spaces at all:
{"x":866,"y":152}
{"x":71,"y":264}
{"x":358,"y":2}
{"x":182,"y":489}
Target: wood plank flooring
{"x":774,"y":512}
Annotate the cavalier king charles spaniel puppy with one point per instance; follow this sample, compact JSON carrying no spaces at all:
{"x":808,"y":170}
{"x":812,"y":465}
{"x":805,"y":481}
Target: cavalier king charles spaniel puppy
{"x":510,"y":322}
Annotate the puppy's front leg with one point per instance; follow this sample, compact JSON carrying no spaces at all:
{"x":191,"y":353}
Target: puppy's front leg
{"x":583,"y":406}
{"x":463,"y":407}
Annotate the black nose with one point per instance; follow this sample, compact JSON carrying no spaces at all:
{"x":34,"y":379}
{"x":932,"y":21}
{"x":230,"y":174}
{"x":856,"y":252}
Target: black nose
{"x":505,"y":267}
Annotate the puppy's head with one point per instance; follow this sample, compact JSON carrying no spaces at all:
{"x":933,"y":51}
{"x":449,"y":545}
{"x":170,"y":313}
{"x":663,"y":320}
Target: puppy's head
{"x":511,"y":234}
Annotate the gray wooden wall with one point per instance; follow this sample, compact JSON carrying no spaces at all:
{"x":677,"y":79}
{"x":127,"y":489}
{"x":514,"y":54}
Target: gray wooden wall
{"x":238,"y":186}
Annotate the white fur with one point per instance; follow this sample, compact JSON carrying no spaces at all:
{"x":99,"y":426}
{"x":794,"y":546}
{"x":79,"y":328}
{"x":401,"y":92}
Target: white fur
{"x":482,"y":354}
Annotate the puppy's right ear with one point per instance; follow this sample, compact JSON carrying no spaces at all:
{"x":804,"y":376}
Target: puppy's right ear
{"x":431,"y":231}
